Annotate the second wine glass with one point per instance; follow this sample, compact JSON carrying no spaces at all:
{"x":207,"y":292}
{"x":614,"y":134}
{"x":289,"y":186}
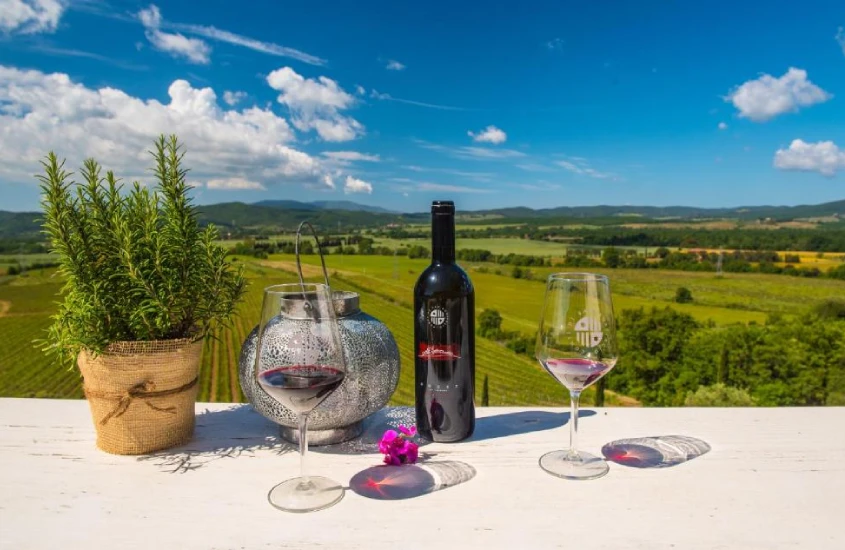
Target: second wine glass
{"x":576,"y":344}
{"x":299,"y":363}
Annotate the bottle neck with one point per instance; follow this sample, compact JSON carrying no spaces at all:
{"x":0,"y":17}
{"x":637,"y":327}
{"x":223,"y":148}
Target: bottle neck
{"x":443,"y":238}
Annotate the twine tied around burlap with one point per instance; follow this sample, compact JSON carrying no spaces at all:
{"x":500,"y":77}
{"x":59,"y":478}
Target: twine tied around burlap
{"x":127,"y":374}
{"x":141,"y":390}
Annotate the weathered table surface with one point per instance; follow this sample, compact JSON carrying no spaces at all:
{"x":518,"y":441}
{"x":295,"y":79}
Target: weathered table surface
{"x":767,"y":478}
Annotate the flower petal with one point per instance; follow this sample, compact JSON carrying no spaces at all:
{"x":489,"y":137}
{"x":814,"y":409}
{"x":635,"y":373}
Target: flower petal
{"x":409,"y":431}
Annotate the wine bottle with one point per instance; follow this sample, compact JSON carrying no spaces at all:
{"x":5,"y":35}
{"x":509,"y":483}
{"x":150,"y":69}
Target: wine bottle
{"x":444,"y":338}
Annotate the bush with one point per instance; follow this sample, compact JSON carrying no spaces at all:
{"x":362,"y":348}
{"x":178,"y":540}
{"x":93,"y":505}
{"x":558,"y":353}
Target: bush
{"x":611,"y":256}
{"x":418,"y":251}
{"x":489,"y":323}
{"x":137,"y":265}
{"x":718,"y":395}
{"x":837,"y":272}
{"x":683,"y":295}
{"x":521,"y":344}
{"x":831,"y":308}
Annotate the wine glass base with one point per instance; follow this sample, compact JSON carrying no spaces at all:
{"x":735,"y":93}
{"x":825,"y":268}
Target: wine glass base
{"x":305,"y":494}
{"x":561,"y":464}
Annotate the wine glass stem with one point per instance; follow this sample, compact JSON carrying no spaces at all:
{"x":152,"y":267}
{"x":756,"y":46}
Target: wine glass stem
{"x":574,"y":396}
{"x":303,"y":443}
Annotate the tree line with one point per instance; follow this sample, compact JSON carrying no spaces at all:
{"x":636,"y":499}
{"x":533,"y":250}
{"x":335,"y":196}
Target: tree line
{"x":829,"y":238}
{"x":667,"y":358}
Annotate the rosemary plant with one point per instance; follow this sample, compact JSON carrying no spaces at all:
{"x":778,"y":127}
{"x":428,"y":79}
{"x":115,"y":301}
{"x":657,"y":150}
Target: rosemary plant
{"x":137,"y":265}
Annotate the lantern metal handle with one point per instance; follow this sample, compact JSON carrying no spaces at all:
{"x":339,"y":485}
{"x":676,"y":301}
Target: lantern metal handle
{"x":319,"y":250}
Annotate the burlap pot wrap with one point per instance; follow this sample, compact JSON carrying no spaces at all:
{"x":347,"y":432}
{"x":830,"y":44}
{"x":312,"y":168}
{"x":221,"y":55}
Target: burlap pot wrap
{"x":142,"y":394}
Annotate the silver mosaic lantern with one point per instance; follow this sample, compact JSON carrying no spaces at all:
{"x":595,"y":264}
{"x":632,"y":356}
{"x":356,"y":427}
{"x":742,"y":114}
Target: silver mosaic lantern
{"x":372,"y":362}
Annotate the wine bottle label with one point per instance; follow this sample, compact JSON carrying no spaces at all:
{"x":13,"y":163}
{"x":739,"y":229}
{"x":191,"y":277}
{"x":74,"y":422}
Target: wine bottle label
{"x":439,"y":352}
{"x":442,"y":332}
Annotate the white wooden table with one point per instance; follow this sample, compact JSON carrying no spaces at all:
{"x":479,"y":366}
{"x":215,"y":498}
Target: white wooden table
{"x":773,"y":478}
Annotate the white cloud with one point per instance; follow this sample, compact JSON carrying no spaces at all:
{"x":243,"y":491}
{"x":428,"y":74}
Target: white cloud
{"x":375,"y":94}
{"x":220,"y":35}
{"x":30,"y":16}
{"x":70,"y":52}
{"x":360,"y":90}
{"x":354,"y":185}
{"x":233,"y":98}
{"x":539,"y":186}
{"x":555,"y":44}
{"x":193,"y":50}
{"x":213,"y":33}
{"x":483,"y":153}
{"x":233,"y":183}
{"x":350,"y":156}
{"x":428,"y":186}
{"x":767,"y":97}
{"x":315,"y":104}
{"x":723,"y":126}
{"x":824,"y":157}
{"x":491,"y":134}
{"x":579,"y":165}
{"x":471,"y":153}
{"x":535,"y":167}
{"x":840,"y":38}
{"x":393,"y":65}
{"x":40,"y":112}
{"x":476,"y":176}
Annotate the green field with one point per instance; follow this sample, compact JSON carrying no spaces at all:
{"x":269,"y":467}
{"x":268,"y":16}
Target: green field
{"x":385,"y":284}
{"x":26,"y":303}
{"x":725,"y":300}
{"x":23,"y":260}
{"x":733,"y":297}
{"x":27,"y":372}
{"x":499,"y":245}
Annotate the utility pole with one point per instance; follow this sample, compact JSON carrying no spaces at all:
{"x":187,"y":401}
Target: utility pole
{"x":719,"y":263}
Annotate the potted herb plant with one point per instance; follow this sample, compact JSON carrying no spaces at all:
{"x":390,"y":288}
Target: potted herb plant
{"x":144,"y":285}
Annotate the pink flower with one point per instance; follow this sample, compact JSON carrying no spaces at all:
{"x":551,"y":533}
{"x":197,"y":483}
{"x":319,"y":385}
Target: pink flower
{"x":397,"y":448}
{"x":387,"y":441}
{"x":410,"y":432}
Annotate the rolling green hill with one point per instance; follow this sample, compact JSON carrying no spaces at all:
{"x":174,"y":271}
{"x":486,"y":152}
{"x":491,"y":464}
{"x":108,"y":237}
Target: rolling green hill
{"x":285,"y":215}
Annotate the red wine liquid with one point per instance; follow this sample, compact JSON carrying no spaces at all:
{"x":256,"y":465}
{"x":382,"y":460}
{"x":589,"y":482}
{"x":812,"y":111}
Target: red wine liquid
{"x":577,"y":374}
{"x":301,"y":388}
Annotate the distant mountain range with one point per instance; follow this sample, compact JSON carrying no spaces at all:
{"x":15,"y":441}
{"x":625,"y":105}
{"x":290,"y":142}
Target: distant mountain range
{"x":688,"y":212}
{"x":324,"y":205}
{"x":287,"y":214}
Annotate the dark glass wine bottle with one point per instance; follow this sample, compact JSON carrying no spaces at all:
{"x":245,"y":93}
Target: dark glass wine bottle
{"x":444,"y":338}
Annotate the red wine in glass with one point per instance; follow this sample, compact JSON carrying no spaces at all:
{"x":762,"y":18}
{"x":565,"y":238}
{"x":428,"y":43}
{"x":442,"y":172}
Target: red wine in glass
{"x":301,"y":388}
{"x":576,"y":373}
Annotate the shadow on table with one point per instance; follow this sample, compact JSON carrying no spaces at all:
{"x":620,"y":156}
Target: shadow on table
{"x":389,"y":418}
{"x":226,"y":433}
{"x":409,"y":481}
{"x":516,"y":423}
{"x":661,"y":451}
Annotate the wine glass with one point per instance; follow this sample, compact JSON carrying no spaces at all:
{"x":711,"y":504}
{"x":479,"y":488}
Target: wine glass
{"x":299,"y":363}
{"x":577,"y":345}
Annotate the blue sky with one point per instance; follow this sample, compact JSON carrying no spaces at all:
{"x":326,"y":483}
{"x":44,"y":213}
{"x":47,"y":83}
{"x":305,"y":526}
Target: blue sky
{"x":394,"y":104}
